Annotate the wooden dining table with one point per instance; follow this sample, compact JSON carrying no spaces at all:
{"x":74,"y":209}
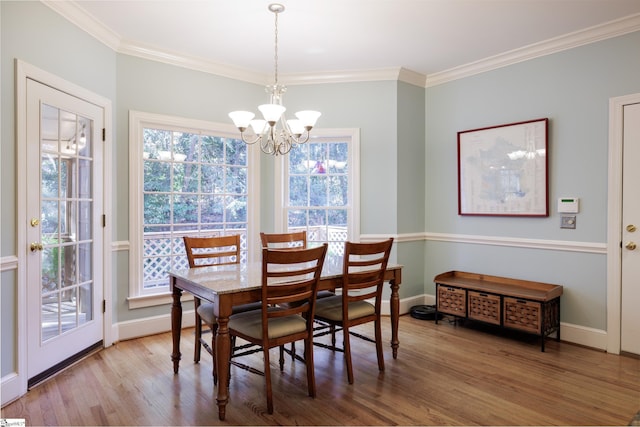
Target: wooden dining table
{"x":235,"y":284}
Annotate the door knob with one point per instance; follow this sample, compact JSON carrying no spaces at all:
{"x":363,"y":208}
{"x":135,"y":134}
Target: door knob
{"x":35,"y":246}
{"x":630,"y":245}
{"x":631,"y":228}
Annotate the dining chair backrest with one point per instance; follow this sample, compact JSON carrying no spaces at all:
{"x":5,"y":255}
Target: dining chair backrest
{"x":289,"y":289}
{"x":364,"y":266}
{"x":284,"y":241}
{"x":289,"y":282}
{"x":218,"y":250}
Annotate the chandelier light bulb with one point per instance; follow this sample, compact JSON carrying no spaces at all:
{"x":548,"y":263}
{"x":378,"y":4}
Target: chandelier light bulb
{"x":271,"y":112}
{"x":296,"y":127}
{"x":241,"y":119}
{"x":308,"y":118}
{"x":259,"y":126}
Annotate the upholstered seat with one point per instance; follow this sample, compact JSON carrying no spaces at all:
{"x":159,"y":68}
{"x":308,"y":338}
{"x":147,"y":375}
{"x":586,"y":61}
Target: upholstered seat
{"x":203,"y":252}
{"x":288,"y":298}
{"x":364,"y":267}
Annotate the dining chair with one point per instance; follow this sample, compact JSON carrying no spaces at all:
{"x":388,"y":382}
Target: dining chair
{"x":287,"y":277}
{"x":204,"y":252}
{"x":363,"y":270}
{"x":286,"y":241}
{"x":293,"y":241}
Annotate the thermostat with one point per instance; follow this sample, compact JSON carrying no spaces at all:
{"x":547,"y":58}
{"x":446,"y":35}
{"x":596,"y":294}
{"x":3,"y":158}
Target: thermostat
{"x":568,"y":205}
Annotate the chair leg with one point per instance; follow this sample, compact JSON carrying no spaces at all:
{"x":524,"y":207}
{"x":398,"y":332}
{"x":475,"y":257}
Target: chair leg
{"x":379,"y":352}
{"x":308,"y":360}
{"x":293,"y":351}
{"x":214,"y":329}
{"x":281,"y":359}
{"x":347,"y":354}
{"x":267,"y":379}
{"x":332,"y":328}
{"x":198,"y":331}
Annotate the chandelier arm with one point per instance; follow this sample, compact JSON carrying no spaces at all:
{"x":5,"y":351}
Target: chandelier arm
{"x":249,"y":142}
{"x":302,"y":139}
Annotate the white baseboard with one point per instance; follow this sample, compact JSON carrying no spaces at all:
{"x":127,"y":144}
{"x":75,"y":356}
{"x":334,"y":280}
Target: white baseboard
{"x":11,"y":388}
{"x":576,"y":334}
{"x":582,"y":335}
{"x":151,"y":325}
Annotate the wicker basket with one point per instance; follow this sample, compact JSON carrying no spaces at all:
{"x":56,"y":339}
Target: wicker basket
{"x":484,"y":307}
{"x":452,"y":300}
{"x":521,"y":314}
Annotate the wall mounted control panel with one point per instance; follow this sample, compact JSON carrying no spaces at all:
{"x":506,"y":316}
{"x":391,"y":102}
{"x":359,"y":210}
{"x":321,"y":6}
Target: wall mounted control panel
{"x":568,"y":205}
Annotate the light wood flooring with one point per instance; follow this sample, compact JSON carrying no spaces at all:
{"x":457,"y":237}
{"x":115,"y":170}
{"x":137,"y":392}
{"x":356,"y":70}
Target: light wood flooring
{"x":445,"y":374}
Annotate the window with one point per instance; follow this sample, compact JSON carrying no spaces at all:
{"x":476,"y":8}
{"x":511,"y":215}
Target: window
{"x":187,"y":178}
{"x":321,"y":185}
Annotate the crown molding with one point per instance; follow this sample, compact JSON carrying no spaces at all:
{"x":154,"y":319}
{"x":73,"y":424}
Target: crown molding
{"x":628,"y":24}
{"x":89,"y":24}
{"x":192,"y":63}
{"x":86,"y":22}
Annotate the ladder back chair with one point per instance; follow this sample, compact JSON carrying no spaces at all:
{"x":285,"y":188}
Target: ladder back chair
{"x":286,"y":242}
{"x":289,"y":289}
{"x":204,"y":252}
{"x":363,"y":268}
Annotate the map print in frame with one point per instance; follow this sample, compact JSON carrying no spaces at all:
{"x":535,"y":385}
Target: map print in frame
{"x":502,"y":170}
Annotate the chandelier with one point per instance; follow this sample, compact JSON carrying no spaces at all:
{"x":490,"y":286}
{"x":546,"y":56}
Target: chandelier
{"x":275,"y":139}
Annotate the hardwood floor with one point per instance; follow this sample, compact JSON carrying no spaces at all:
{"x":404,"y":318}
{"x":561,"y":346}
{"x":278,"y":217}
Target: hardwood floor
{"x":445,"y":374}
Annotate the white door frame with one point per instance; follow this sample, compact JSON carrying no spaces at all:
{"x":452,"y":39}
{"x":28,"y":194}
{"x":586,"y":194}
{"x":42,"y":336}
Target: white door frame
{"x":23,"y":71}
{"x":614,"y":221}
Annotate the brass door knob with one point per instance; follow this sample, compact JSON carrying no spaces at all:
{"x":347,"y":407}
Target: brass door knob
{"x":630,"y":245}
{"x":631,"y":228}
{"x":35,"y":246}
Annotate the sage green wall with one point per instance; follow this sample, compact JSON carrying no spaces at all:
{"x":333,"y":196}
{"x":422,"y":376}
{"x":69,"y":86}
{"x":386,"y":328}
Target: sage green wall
{"x":35,"y":34}
{"x":572,"y":88}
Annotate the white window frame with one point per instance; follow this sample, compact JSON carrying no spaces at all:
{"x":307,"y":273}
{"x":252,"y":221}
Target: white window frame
{"x":138,"y":297}
{"x":352,"y":137}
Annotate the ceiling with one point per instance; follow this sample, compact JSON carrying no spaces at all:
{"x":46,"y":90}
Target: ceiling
{"x":324,"y":36}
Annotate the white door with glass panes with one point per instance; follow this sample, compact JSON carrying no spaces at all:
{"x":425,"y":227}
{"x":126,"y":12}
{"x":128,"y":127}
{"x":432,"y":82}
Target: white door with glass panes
{"x":64,"y":226}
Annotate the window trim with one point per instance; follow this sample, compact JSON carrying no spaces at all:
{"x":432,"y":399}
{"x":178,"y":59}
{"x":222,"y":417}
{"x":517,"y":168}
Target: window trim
{"x":353,"y":210}
{"x":138,"y":120}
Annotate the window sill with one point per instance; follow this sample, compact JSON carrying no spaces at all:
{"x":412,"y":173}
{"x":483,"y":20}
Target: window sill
{"x":142,"y":301}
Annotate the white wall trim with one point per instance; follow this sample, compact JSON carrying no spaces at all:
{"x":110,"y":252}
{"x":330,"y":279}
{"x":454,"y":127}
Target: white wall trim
{"x":8,"y":263}
{"x":558,"y":245}
{"x":588,"y":337}
{"x":95,"y":28}
{"x":593,"y":34}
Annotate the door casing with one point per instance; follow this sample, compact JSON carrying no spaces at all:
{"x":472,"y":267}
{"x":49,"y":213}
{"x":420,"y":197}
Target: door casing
{"x":614,"y":222}
{"x":17,"y":385}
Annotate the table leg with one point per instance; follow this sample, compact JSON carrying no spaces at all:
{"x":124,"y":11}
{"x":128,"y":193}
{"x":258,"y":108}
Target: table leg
{"x":176,"y":326}
{"x":395,"y":316}
{"x":223,"y":354}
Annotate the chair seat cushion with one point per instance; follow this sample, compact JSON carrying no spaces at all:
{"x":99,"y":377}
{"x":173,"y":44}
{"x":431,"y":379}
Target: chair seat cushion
{"x":205,"y":310}
{"x":325,"y":294}
{"x":250,"y":323}
{"x":331,"y":309}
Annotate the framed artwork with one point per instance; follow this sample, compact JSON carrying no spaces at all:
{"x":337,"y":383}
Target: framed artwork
{"x":502,"y":170}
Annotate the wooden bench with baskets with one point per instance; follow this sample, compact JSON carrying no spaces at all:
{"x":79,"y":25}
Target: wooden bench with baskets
{"x":527,"y":306}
